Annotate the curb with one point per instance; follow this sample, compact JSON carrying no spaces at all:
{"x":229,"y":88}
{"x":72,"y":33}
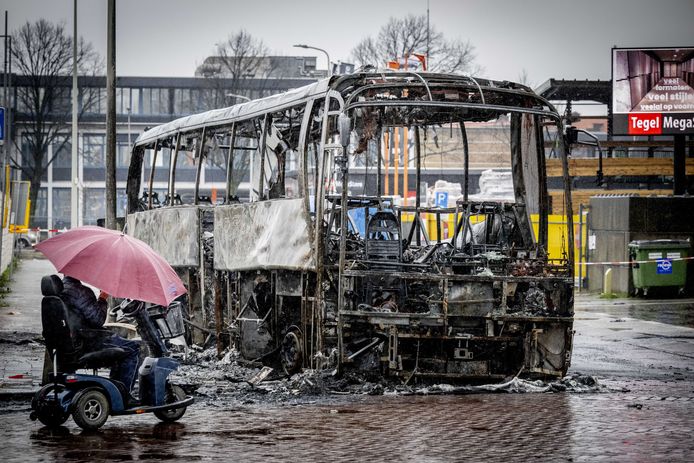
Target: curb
{"x":17,"y":395}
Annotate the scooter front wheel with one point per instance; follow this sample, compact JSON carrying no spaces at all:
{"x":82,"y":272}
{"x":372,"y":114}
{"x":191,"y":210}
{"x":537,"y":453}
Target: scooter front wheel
{"x":91,"y":410}
{"x":173,"y":394}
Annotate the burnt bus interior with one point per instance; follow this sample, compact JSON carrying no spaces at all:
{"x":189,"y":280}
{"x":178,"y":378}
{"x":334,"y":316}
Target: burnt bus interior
{"x":305,"y":273}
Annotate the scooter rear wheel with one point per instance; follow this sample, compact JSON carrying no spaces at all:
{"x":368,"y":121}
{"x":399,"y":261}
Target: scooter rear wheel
{"x":173,"y":394}
{"x":49,"y":412}
{"x":91,"y":410}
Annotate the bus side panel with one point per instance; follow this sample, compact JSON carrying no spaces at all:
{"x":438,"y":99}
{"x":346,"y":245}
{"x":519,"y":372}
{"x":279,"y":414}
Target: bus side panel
{"x":263,"y":235}
{"x":174,"y":233}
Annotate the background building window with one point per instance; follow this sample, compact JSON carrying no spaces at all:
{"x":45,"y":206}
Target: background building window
{"x":94,"y":151}
{"x":41,"y":209}
{"x":135,"y":101}
{"x":62,"y":151}
{"x":155,"y":101}
{"x":61,"y":207}
{"x":94,"y":205}
{"x":123,"y":149}
{"x":183,"y":103}
{"x":122,"y":100}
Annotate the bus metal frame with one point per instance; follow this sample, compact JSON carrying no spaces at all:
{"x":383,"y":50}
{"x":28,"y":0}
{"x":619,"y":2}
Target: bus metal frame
{"x":471,"y":309}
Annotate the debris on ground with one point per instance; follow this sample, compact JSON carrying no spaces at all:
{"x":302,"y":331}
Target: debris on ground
{"x":260,"y":376}
{"x":20,"y":338}
{"x":576,"y":383}
{"x":231,"y":378}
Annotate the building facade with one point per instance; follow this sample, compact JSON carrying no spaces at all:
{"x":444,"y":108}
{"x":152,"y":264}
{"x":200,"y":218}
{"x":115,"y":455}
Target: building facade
{"x":141,"y":103}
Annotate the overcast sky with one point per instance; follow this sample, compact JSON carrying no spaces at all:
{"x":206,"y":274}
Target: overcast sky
{"x":547,"y":38}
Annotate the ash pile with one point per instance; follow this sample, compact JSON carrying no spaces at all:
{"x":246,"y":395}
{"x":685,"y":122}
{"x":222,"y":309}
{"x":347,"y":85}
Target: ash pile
{"x":233,"y":380}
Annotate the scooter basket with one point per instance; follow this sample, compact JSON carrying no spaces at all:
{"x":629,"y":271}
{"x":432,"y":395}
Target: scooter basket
{"x":169,"y":320}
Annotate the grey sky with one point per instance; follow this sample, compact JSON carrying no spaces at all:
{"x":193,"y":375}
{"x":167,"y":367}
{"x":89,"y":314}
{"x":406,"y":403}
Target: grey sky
{"x":564,"y":39}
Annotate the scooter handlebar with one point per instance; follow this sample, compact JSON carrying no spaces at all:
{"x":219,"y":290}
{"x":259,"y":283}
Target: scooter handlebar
{"x":129,"y":307}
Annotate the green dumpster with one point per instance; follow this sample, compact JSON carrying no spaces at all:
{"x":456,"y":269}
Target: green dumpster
{"x":659,"y":263}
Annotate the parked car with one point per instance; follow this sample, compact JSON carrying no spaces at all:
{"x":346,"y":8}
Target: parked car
{"x":27,"y":239}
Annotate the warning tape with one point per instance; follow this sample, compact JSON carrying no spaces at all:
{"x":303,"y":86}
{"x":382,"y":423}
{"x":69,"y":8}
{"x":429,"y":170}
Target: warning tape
{"x":652,"y":261}
{"x":49,"y":230}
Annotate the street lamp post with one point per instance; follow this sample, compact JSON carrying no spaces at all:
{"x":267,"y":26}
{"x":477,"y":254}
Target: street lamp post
{"x":7,"y":47}
{"x":301,"y":45}
{"x":130,"y":144}
{"x":74,"y":141}
{"x":240,"y":97}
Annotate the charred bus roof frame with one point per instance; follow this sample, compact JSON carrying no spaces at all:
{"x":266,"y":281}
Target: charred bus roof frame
{"x":351,"y":94}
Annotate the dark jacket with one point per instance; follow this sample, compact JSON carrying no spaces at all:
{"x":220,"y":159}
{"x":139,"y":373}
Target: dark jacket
{"x":86,"y":312}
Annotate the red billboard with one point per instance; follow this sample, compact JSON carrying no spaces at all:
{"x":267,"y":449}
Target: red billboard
{"x":652,"y":91}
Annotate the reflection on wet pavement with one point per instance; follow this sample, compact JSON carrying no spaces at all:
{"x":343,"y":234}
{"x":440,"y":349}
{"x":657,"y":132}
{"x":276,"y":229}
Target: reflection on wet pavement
{"x":671,"y":311}
{"x":510,"y":427}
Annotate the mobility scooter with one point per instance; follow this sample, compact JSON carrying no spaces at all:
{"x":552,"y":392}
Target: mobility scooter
{"x":91,"y":398}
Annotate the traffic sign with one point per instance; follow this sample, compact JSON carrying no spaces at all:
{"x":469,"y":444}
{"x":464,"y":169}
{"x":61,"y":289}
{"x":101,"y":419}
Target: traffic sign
{"x":441,"y":199}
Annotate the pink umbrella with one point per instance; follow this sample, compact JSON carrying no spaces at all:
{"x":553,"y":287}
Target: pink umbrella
{"x":119,"y":264}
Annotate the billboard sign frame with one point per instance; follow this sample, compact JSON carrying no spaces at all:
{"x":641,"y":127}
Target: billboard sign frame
{"x":653,"y":91}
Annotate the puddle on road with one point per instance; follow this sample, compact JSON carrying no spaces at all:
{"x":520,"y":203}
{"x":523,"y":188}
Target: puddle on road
{"x":669,"y":312}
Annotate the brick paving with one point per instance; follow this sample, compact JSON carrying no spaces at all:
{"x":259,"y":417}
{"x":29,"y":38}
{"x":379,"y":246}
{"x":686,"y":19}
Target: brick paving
{"x":651,"y":418}
{"x":499,"y":427}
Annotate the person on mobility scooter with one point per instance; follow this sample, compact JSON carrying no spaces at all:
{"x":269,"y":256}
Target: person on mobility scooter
{"x":90,"y":399}
{"x":87,"y":315}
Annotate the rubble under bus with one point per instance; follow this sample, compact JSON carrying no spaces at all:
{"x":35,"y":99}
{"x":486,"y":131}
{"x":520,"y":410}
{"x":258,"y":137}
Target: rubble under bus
{"x":292,"y":266}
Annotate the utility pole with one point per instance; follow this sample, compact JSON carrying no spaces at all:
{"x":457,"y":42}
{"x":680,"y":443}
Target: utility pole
{"x":130,"y":142}
{"x":111,"y":116}
{"x":74,"y":193}
{"x":426,"y":61}
{"x":5,"y":157}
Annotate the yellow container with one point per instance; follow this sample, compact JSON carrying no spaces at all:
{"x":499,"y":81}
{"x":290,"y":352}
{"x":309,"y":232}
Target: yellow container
{"x":557,"y":236}
{"x":557,"y":233}
{"x":447,"y":225}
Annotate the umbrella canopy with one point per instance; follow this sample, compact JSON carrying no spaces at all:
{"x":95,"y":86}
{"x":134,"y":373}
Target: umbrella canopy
{"x":119,"y":264}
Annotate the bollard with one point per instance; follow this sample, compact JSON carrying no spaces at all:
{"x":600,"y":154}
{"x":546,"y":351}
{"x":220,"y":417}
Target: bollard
{"x":607,"y":282}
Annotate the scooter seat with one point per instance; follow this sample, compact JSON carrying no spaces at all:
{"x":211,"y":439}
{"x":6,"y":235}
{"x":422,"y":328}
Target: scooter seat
{"x":102,"y":358}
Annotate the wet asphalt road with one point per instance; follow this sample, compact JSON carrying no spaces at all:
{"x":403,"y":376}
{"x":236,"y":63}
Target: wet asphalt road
{"x":641,"y":351}
{"x":648,"y":415}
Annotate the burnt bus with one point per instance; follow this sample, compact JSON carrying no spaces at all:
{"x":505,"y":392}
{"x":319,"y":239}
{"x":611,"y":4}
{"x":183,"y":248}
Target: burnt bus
{"x":292,"y":257}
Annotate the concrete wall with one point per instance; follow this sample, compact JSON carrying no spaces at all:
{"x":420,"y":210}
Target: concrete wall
{"x":7,"y":245}
{"x":617,"y":220}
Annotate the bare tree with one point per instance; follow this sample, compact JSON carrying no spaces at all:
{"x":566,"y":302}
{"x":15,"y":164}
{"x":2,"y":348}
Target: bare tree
{"x":239,"y":61}
{"x":241,"y":56}
{"x":524,"y":78}
{"x":42,"y":53}
{"x":401,"y":37}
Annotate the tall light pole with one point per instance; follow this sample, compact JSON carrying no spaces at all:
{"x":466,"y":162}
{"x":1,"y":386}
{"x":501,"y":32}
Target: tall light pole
{"x":74,"y":190}
{"x":327,"y":56}
{"x":111,"y":116}
{"x":130,"y":144}
{"x":7,"y":46}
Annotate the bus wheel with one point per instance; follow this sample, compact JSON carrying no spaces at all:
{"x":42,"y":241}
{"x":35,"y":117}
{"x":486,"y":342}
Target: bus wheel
{"x":291,"y":353}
